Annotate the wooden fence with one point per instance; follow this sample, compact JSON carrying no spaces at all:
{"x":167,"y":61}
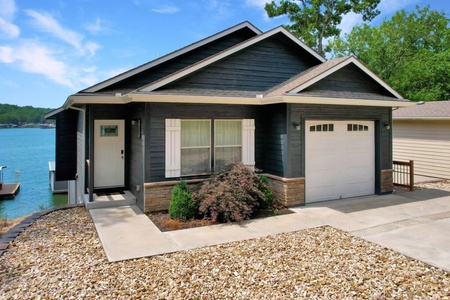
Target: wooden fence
{"x":404,"y":173}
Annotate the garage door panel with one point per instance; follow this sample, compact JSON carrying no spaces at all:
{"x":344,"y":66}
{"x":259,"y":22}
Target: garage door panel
{"x":341,"y":163}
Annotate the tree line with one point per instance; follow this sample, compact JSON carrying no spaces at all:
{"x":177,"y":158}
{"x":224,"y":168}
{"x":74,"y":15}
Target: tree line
{"x":410,"y":51}
{"x":17,"y":115}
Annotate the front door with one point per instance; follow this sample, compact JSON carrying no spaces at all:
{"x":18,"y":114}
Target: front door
{"x":109,"y":153}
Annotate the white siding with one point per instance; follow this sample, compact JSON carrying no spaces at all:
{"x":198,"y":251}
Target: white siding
{"x":425,"y":142}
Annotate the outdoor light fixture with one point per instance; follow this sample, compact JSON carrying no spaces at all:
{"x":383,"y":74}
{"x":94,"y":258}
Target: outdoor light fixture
{"x":295,"y":125}
{"x":387,"y":126}
{"x":137,"y":122}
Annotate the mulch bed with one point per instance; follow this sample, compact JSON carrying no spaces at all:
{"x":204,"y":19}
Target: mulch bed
{"x":165,"y":223}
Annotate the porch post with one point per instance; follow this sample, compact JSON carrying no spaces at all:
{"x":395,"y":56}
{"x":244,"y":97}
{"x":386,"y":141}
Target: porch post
{"x":91,"y":157}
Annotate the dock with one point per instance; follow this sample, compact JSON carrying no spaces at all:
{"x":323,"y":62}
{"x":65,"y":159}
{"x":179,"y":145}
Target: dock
{"x":9,"y":190}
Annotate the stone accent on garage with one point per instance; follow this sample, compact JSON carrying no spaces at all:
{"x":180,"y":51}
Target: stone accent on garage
{"x":387,"y":181}
{"x":288,"y":191}
{"x":157,"y":194}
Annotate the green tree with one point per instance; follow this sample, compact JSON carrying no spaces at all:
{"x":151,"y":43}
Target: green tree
{"x":410,"y":51}
{"x":315,"y":20}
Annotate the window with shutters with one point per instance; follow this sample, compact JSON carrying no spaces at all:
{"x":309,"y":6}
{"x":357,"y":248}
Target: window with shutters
{"x":196,"y":147}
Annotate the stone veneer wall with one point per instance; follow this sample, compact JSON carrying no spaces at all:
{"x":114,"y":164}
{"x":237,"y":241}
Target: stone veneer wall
{"x":387,"y":181}
{"x":157,"y":194}
{"x":288,"y":191}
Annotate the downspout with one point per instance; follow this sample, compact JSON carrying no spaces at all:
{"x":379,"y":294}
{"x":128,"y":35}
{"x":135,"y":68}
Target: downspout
{"x":82,"y":110}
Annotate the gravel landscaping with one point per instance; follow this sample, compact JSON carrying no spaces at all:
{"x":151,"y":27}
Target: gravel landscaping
{"x":60,"y":256}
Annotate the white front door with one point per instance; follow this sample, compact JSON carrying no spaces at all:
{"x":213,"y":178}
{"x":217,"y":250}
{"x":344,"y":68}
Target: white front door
{"x":109,"y":153}
{"x":340,"y":159}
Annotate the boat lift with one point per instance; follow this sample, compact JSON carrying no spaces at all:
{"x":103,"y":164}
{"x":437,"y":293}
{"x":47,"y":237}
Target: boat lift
{"x":8,"y":190}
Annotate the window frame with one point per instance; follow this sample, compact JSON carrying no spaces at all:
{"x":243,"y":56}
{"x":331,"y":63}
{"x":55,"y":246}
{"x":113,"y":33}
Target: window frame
{"x":227,"y":146}
{"x":196,"y":147}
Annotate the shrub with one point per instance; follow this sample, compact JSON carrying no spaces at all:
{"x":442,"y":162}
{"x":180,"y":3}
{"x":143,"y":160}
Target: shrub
{"x":264,"y":187}
{"x":231,"y":195}
{"x":181,"y":205}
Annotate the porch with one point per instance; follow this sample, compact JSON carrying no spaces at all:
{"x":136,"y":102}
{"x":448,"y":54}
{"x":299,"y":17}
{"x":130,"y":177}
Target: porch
{"x":105,"y":199}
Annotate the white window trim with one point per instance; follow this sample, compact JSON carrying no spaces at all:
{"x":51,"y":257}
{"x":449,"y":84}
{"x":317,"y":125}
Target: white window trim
{"x":173,"y":145}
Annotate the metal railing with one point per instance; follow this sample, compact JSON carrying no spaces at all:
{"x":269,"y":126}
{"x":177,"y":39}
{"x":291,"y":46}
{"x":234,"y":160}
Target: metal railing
{"x":403,"y":174}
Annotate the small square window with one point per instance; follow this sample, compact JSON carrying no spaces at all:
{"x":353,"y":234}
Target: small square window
{"x":312,"y":128}
{"x":109,"y":130}
{"x":330,"y":127}
{"x":349,"y":127}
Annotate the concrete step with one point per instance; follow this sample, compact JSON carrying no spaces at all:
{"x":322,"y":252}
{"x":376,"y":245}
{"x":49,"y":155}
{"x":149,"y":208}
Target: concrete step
{"x":110,"y":200}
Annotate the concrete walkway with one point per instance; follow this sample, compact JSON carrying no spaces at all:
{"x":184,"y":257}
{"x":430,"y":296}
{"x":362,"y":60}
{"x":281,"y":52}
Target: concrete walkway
{"x":413,"y":223}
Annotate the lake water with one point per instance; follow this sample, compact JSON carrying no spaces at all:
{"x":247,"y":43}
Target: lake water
{"x":28,"y":151}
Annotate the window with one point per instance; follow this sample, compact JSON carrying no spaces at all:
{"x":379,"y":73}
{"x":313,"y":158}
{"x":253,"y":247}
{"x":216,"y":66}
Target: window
{"x":357,"y":127}
{"x":195,"y":147}
{"x":321,"y":127}
{"x":191,"y":150}
{"x":227,"y":142}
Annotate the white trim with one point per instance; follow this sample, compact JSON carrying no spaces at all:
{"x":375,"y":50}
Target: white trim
{"x":248,"y":142}
{"x":153,"y":98}
{"x":212,"y":59}
{"x":173,"y":148}
{"x":170,"y":56}
{"x":339,"y":66}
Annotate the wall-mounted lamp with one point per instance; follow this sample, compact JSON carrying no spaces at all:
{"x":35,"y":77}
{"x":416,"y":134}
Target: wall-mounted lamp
{"x":387,"y":126}
{"x":295,"y":126}
{"x":137,"y":123}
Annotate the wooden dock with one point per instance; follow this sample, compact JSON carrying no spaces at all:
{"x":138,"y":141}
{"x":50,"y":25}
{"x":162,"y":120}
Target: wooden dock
{"x":9,"y":190}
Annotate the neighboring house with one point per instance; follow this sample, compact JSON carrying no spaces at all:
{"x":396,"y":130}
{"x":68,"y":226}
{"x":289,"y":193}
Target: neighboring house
{"x":318,"y":129}
{"x":422,"y":133}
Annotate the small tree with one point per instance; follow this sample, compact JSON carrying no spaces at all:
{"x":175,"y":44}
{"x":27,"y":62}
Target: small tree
{"x":181,"y":205}
{"x":315,"y":20}
{"x":231,"y":195}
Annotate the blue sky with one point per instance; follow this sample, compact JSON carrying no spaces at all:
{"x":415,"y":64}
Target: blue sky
{"x":50,"y":49}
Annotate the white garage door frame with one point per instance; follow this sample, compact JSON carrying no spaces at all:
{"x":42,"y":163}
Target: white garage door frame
{"x":339,"y":159}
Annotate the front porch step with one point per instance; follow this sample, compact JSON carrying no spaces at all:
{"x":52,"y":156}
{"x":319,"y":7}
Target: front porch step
{"x":110,"y":200}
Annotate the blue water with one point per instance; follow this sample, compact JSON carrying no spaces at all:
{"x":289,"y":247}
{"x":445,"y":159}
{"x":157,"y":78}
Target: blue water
{"x":27,"y":151}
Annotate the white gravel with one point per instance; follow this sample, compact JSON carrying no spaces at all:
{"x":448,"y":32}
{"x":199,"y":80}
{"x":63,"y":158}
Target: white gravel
{"x":60,"y":257}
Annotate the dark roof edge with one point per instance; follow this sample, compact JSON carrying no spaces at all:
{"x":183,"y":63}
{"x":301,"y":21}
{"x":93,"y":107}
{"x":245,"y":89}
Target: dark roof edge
{"x":178,"y":52}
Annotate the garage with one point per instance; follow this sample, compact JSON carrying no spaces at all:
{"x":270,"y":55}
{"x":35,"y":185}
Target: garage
{"x":340,"y":160}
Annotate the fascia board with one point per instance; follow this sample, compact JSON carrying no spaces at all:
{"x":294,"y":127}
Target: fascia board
{"x":169,"y":56}
{"x":340,"y":66}
{"x":336,"y":101}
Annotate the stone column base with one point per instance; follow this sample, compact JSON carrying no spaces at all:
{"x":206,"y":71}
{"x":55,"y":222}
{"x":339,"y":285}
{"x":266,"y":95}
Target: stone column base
{"x":387,"y":181}
{"x":288,"y":191}
{"x":157,"y":194}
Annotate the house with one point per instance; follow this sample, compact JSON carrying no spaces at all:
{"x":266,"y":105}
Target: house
{"x":318,"y":129}
{"x":422,"y":134}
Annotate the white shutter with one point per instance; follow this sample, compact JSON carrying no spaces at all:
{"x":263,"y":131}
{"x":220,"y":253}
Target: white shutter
{"x":248,"y":142}
{"x":173,"y":148}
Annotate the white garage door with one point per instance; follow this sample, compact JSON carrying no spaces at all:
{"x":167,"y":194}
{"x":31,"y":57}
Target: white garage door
{"x":340,"y":160}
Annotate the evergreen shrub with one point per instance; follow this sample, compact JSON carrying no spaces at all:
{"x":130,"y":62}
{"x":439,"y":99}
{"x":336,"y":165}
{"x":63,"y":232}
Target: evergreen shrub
{"x":181,"y":205}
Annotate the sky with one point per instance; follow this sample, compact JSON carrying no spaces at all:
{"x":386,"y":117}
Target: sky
{"x":50,"y":49}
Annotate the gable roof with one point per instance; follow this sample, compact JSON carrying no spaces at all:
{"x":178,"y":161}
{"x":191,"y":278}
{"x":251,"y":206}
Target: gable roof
{"x":313,"y":75}
{"x":424,"y":110}
{"x":165,"y":58}
{"x":196,"y":79}
{"x":226,"y":53}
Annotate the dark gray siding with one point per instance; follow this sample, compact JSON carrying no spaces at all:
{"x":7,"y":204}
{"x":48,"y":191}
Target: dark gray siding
{"x":181,"y":62}
{"x":155,"y":129}
{"x":301,"y":113}
{"x":66,"y":145}
{"x":256,"y":68}
{"x":349,"y":82}
{"x":275,"y":142}
{"x":136,"y":151}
